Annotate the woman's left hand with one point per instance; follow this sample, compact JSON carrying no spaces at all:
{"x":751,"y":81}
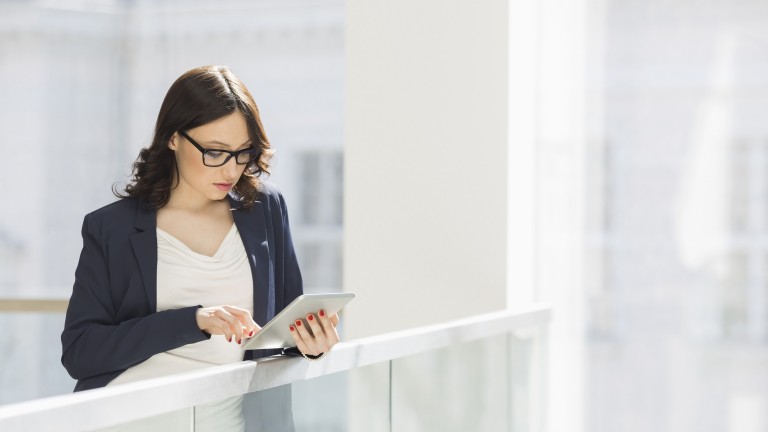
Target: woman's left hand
{"x":319,"y":337}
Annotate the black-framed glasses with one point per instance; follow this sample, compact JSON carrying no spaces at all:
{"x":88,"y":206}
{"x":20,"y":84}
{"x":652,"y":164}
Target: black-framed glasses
{"x":216,"y":158}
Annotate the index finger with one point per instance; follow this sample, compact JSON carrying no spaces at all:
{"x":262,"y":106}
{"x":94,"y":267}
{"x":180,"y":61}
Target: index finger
{"x":244,"y":315}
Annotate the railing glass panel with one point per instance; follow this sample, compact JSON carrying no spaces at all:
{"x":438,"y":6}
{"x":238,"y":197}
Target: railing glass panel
{"x":462,"y":387}
{"x":320,"y":404}
{"x":176,"y":421}
{"x":30,"y":357}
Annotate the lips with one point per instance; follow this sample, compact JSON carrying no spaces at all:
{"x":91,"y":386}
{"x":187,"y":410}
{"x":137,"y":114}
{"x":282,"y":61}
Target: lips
{"x":223,"y":186}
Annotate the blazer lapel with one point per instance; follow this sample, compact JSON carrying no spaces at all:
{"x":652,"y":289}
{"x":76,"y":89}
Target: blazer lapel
{"x":145,"y":250}
{"x":251,"y":225}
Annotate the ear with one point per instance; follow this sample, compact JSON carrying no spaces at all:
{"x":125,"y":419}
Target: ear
{"x":172,"y":142}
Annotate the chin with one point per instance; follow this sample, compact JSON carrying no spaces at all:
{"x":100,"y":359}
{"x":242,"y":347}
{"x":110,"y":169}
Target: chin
{"x":216,"y":195}
{"x":219,"y":196}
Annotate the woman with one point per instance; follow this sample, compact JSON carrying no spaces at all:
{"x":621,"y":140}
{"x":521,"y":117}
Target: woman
{"x":195,"y":257}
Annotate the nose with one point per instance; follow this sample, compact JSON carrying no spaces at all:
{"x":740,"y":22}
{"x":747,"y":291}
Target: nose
{"x":231,"y":170}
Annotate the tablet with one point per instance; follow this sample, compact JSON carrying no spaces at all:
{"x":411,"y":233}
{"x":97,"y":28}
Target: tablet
{"x":277,"y":334}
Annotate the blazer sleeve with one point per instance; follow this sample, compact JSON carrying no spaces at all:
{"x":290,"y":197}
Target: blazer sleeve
{"x":92,"y":342}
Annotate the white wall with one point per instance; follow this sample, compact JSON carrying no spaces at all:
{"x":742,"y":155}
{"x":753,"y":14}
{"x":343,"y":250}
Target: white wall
{"x":425,"y":162}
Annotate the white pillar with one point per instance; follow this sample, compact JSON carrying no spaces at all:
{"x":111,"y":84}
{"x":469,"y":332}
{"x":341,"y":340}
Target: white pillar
{"x":560,"y":209}
{"x":425,"y":162}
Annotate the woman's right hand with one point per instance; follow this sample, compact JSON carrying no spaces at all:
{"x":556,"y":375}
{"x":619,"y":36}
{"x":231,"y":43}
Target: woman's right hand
{"x":233,"y":322}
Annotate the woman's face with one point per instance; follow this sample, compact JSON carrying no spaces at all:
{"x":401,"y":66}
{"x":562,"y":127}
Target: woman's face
{"x":198,"y":181}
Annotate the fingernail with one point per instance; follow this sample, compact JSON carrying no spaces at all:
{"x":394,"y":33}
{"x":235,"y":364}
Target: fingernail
{"x":322,"y":313}
{"x":310,"y":318}
{"x":298,"y":323}
{"x":229,"y":340}
{"x":250,"y":334}
{"x":238,"y":341}
{"x":292,"y":328}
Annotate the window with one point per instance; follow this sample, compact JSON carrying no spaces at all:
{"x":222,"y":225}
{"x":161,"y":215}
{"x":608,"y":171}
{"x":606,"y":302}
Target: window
{"x":320,"y":211}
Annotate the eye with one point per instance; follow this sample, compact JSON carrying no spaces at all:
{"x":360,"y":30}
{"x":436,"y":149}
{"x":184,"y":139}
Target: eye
{"x":214,"y":154}
{"x":245,"y":154}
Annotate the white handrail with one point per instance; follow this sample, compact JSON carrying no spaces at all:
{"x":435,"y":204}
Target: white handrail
{"x":104,"y":407}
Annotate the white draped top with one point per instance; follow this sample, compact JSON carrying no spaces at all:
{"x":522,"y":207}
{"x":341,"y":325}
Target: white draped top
{"x":187,"y":278}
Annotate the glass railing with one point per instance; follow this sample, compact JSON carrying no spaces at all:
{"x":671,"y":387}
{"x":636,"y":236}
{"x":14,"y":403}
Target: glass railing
{"x":480,"y":373}
{"x":30,"y":360}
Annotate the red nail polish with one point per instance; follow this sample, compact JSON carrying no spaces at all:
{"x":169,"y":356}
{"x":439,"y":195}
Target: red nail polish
{"x":310,"y":318}
{"x":229,"y":340}
{"x":238,"y":341}
{"x":322,"y":313}
{"x":250,"y":334}
{"x":298,"y":323}
{"x":292,"y":328}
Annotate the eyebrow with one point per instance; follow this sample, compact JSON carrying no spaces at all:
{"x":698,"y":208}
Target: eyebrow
{"x":227,"y":145}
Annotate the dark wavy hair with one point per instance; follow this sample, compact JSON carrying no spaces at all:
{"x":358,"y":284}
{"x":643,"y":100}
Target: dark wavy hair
{"x":197,"y":97}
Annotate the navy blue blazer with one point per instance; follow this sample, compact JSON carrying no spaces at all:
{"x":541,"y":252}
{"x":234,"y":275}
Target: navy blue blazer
{"x":112,"y":321}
